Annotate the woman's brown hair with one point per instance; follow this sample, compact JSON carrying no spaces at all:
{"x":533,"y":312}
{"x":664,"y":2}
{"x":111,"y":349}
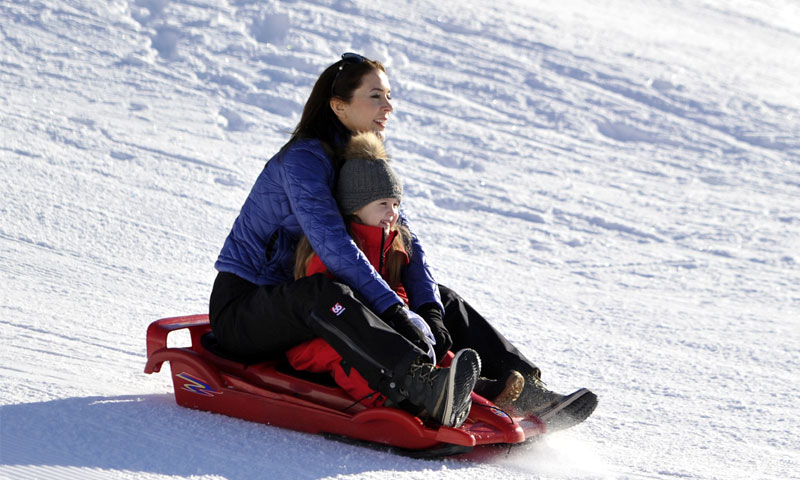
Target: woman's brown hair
{"x":318,"y":121}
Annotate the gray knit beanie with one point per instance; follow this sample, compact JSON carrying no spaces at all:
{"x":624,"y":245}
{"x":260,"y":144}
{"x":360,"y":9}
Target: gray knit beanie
{"x":366,"y":175}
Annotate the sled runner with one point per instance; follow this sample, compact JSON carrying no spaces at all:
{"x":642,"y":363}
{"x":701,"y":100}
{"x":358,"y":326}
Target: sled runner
{"x":271,"y":392}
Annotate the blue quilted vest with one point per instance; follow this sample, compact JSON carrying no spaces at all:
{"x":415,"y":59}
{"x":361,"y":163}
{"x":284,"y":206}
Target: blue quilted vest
{"x":294,"y":195}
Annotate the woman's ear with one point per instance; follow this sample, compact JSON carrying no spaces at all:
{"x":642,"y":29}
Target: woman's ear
{"x":339,"y":107}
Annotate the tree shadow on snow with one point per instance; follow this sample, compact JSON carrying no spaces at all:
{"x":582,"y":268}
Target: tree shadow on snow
{"x":150,"y":433}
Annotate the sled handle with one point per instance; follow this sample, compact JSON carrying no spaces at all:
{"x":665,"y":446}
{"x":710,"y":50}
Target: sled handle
{"x":187,"y":358}
{"x":157,"y":331}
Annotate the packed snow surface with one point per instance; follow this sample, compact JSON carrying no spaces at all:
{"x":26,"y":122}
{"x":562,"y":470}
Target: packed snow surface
{"x":615,"y":184}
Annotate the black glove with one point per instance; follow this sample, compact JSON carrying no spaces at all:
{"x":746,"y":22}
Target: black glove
{"x":397,"y":318}
{"x":432,"y":314}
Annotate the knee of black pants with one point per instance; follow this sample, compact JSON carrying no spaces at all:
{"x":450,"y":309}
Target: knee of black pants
{"x":330,"y":292}
{"x":377,"y":351}
{"x":469,"y":329}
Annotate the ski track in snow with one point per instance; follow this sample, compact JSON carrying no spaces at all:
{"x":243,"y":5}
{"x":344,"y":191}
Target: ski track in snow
{"x":615,"y":185}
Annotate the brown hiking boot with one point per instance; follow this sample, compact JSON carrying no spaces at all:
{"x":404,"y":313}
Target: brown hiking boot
{"x":503,"y":391}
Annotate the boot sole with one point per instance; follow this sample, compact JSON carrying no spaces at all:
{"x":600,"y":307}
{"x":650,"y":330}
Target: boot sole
{"x":574,"y":409}
{"x":466,"y":365}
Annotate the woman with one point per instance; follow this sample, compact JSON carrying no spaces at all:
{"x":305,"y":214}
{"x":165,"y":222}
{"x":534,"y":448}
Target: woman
{"x":257,"y":308}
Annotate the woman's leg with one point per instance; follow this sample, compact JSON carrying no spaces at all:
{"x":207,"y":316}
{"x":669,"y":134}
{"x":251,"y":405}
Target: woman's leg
{"x":251,"y":321}
{"x":258,"y":321}
{"x":254,"y":321}
{"x":469,"y":329}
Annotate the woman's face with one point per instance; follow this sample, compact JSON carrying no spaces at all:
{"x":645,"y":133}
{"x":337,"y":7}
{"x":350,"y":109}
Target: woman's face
{"x":369,"y":109}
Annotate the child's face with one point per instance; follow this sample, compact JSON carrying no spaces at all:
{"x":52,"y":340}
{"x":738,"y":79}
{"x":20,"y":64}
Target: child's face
{"x":380,"y":213}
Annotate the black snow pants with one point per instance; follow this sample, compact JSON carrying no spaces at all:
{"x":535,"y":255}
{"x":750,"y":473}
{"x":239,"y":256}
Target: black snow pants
{"x":469,"y":329}
{"x":264,"y":321}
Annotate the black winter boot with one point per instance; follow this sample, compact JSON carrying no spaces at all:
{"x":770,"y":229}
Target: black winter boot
{"x":556,"y":410}
{"x":445,"y":393}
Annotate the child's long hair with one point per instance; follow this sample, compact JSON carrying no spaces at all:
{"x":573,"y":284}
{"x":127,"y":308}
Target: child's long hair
{"x":395,"y":260}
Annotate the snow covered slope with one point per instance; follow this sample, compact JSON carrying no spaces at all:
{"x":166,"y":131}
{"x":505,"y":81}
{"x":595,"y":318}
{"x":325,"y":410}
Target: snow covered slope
{"x":615,"y":184}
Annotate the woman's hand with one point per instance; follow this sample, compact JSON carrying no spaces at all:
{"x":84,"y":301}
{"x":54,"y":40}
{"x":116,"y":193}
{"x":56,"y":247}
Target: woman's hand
{"x":399,"y":318}
{"x":432,"y":314}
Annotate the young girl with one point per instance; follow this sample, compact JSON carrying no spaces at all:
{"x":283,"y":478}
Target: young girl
{"x":369,"y":195}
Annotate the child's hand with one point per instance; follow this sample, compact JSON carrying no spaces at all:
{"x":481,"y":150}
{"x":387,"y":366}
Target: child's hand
{"x":420,"y":323}
{"x":398,"y":318}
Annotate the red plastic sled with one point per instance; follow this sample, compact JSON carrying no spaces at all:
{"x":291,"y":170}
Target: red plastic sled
{"x":271,"y":393}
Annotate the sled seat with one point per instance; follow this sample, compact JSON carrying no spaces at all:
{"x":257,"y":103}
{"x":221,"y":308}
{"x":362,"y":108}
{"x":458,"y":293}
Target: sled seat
{"x":281,"y":364}
{"x":223,"y":371}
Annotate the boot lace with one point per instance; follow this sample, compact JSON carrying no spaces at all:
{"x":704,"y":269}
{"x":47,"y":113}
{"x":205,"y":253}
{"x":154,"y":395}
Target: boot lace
{"x":537,"y":382}
{"x":423,"y":373}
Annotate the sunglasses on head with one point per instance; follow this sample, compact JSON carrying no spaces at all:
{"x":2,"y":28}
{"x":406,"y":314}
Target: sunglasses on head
{"x":347,"y":58}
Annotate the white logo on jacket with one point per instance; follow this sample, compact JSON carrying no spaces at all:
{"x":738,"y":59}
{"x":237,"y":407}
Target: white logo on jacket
{"x":337,"y":309}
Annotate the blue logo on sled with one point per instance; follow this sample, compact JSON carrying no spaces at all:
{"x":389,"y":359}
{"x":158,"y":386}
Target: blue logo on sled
{"x":499,"y":412}
{"x":197,"y":386}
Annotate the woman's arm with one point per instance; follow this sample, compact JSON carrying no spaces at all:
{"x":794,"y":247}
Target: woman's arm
{"x":423,"y":295}
{"x":418,"y":279}
{"x":308,"y":180}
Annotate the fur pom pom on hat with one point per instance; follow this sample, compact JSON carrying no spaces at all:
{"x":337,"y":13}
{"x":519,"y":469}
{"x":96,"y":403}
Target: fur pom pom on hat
{"x":366,"y":175}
